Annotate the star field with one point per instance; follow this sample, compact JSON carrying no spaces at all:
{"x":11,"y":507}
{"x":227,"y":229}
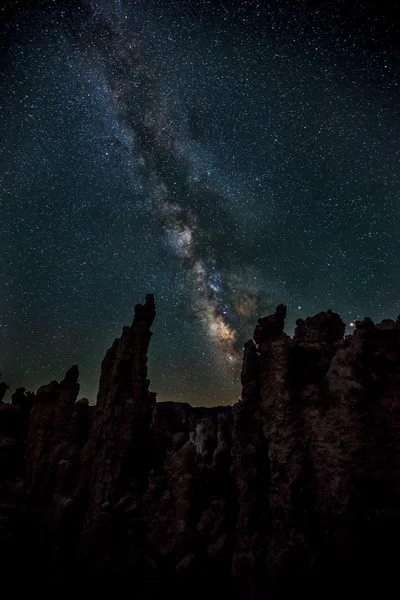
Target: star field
{"x":225,"y":156}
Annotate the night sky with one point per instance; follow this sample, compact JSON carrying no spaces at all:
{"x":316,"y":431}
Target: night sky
{"x":225,"y":156}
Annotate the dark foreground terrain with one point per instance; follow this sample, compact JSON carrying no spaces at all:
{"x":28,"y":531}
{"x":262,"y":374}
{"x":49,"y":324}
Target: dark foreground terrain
{"x":295,"y":490}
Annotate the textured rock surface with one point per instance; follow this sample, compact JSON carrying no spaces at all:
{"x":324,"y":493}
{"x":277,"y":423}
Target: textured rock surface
{"x":295,"y":489}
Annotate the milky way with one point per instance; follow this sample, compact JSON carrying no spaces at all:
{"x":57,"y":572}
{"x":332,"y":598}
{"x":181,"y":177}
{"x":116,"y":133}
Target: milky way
{"x":225,"y":157}
{"x":177,"y":178}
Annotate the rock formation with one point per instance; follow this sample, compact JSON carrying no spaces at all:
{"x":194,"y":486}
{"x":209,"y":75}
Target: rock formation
{"x":294,"y":490}
{"x":3,"y":389}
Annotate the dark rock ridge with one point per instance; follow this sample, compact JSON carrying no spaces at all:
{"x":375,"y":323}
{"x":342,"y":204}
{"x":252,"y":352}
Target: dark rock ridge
{"x":294,"y":490}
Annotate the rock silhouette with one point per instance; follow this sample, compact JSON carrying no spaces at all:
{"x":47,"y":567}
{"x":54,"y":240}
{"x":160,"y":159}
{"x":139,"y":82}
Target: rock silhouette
{"x":294,"y":490}
{"x":3,"y":389}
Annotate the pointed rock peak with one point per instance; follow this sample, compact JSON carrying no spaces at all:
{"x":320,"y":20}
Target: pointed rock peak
{"x":281,"y":310}
{"x":250,"y":370}
{"x":71,"y":375}
{"x":145,"y":312}
{"x":270,"y":326}
{"x":22,"y":398}
{"x":3,"y":388}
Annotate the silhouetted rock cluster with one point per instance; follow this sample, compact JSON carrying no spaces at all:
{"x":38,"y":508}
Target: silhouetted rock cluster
{"x":294,"y":490}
